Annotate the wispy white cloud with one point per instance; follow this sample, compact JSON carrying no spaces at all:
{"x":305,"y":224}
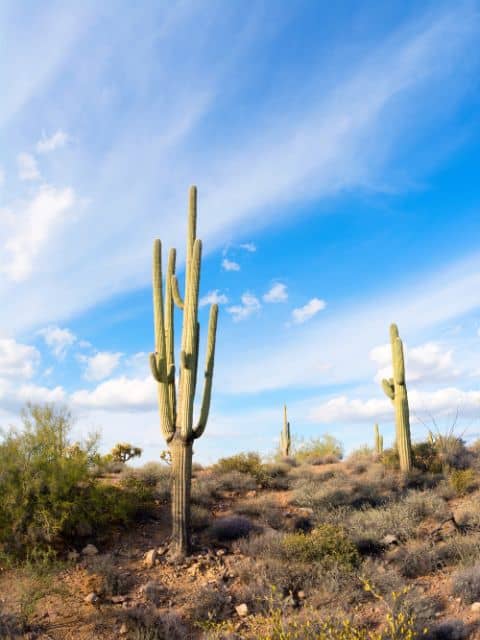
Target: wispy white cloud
{"x":436,"y":403}
{"x":324,"y":352}
{"x":250,"y":305}
{"x":17,"y":360}
{"x":46,"y":144}
{"x":213,"y":297}
{"x":249,"y":246}
{"x":29,"y":229}
{"x":59,"y":340}
{"x":101,"y":365}
{"x":277,"y":293}
{"x":27,"y":167}
{"x":426,"y":362}
{"x":119,"y":393}
{"x":319,"y":146}
{"x":305,"y":313}
{"x":230,"y":265}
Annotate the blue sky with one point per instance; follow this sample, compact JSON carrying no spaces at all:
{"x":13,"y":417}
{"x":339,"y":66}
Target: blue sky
{"x":336,"y":152}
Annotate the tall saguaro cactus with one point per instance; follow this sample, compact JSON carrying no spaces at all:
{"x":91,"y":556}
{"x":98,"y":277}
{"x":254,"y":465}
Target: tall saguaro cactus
{"x":378,"y":440}
{"x":176,"y":399}
{"x":285,"y":440}
{"x":395,"y":388}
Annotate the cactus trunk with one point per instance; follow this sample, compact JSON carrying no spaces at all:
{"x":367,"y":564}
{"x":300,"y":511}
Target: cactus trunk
{"x":378,"y":441}
{"x":395,"y":388}
{"x":182,"y":474}
{"x":176,"y":404}
{"x":285,"y":440}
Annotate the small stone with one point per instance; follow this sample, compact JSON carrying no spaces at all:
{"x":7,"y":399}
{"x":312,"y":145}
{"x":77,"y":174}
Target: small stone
{"x":221,"y":552}
{"x":118,"y":599}
{"x":475,"y":607}
{"x":162,"y":550}
{"x":242,"y":610}
{"x":73,"y":556}
{"x":389,"y":539}
{"x":90,"y":550}
{"x":149,"y":558}
{"x":92,"y":598}
{"x":123,"y":629}
{"x":301,"y":595}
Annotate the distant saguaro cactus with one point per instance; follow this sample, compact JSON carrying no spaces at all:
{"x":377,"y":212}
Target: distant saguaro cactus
{"x":395,"y":388}
{"x":378,"y":441}
{"x":285,"y":440}
{"x":176,"y":418}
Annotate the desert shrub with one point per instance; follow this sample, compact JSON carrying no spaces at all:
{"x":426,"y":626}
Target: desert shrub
{"x":236,"y":481}
{"x":367,"y":527}
{"x":276,"y":476}
{"x":204,"y":489}
{"x":148,"y":624}
{"x":451,"y":450}
{"x":462,"y":481}
{"x":425,"y":558}
{"x":360,"y":459}
{"x":425,"y":457}
{"x":468,"y":516}
{"x":154,"y":592}
{"x":124,"y":451}
{"x":11,"y":626}
{"x":211,"y":602}
{"x":243,"y":462}
{"x":339,"y":491}
{"x":200,"y":517}
{"x":317,"y":449}
{"x":326,"y":544}
{"x":466,"y":584}
{"x":230,"y":528}
{"x":390,"y":458}
{"x":260,"y":545}
{"x":264,"y":508}
{"x":48,"y":494}
{"x":112,"y":580}
{"x":150,"y":474}
{"x":448,"y":630}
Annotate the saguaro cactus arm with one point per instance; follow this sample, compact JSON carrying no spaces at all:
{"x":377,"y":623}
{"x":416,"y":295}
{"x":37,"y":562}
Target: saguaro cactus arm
{"x":177,"y":298}
{"x":209,"y":364}
{"x":388,"y":387}
{"x":158,"y":359}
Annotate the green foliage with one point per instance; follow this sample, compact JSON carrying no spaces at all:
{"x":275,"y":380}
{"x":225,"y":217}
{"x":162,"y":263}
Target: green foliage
{"x":48,"y":492}
{"x":124,"y":451}
{"x":249,"y":463}
{"x":315,"y":450}
{"x":326,"y":544}
{"x":390,"y":458}
{"x":462,"y":480}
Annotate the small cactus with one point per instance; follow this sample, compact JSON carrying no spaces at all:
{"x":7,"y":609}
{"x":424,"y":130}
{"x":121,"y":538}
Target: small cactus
{"x":176,"y":417}
{"x":285,"y":440}
{"x":378,"y":441}
{"x":395,"y":388}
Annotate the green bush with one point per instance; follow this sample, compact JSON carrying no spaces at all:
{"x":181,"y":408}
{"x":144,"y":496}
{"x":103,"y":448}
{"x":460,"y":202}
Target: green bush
{"x":319,"y":450}
{"x":249,"y":463}
{"x":326,"y":544}
{"x":462,"y":481}
{"x":48,"y":494}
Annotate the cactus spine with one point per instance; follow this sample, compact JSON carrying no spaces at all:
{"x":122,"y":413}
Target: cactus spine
{"x":285,"y":440}
{"x":395,"y":388}
{"x":176,"y":401}
{"x":378,"y":441}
